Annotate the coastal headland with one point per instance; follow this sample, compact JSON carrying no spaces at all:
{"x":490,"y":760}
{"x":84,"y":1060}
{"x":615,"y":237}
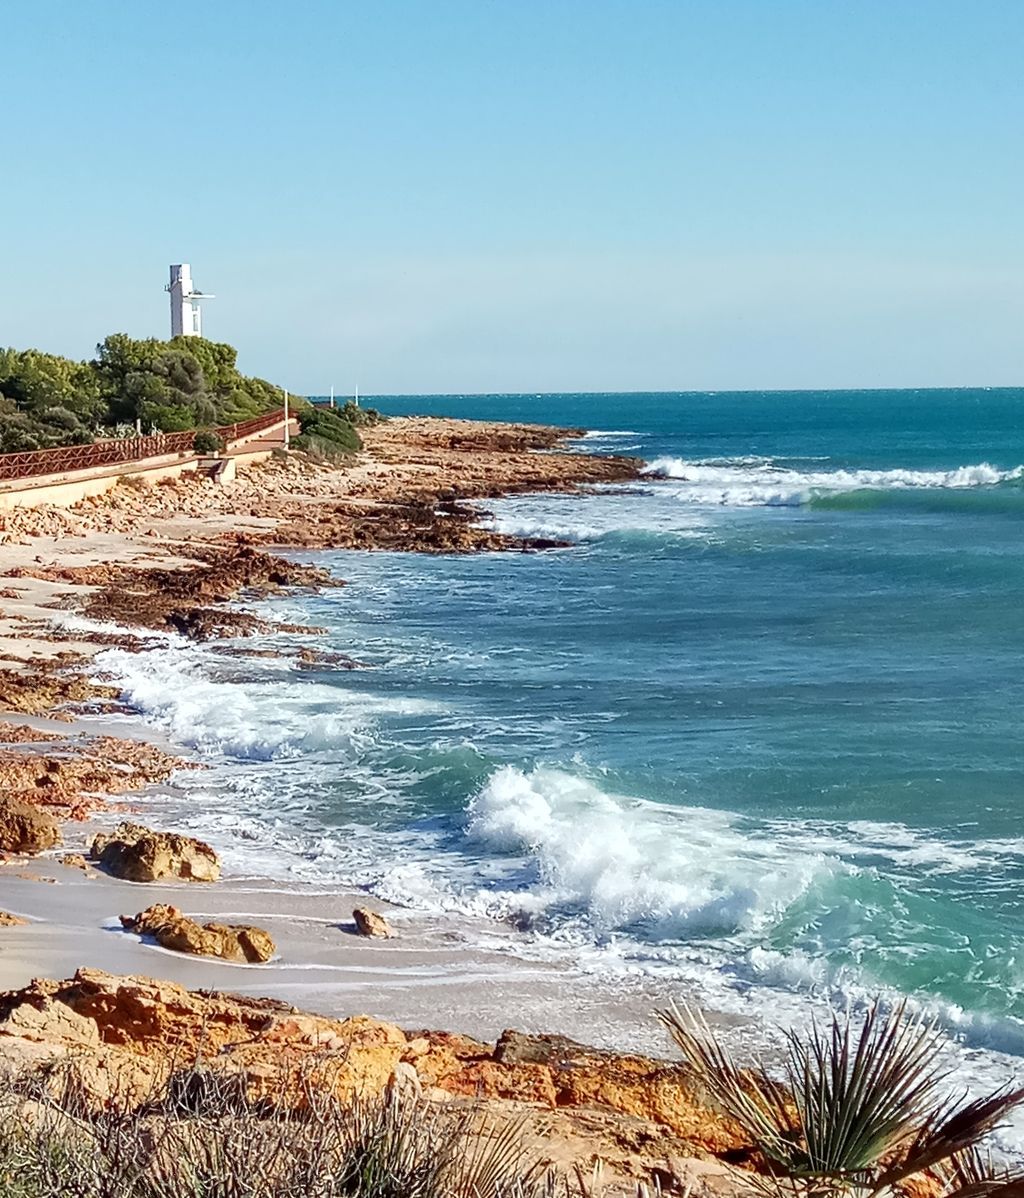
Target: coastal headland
{"x":184,"y":559}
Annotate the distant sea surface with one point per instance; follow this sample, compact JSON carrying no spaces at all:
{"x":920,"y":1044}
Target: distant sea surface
{"x":759,"y":732}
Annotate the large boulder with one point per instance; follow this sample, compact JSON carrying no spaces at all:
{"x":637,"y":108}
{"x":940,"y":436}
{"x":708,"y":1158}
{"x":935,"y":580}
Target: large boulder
{"x":25,"y":828}
{"x":170,"y":928}
{"x":139,"y":854}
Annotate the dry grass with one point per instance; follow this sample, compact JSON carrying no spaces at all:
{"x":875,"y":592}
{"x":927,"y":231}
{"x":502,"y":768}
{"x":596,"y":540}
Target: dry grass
{"x":199,"y":1136}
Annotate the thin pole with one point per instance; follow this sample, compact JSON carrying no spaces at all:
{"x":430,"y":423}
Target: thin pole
{"x":287,"y":435}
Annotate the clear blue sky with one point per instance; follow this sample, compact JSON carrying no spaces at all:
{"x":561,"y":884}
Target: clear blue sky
{"x":478,"y":195}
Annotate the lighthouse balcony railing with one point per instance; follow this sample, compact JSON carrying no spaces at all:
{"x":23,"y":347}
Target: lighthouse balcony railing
{"x":64,"y":459}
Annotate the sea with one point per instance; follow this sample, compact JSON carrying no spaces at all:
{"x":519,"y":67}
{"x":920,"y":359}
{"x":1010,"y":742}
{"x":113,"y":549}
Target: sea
{"x":756,"y":735}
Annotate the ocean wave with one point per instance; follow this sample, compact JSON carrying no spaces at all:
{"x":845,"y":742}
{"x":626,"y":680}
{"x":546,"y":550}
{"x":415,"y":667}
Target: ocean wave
{"x":601,"y":434}
{"x":622,"y":863}
{"x":870,"y":842}
{"x":762,"y":483}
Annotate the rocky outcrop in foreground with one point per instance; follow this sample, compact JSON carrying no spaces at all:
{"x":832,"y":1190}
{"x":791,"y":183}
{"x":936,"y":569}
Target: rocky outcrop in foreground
{"x":172,"y":929}
{"x":139,"y":854}
{"x":189,"y":599}
{"x":46,"y":689}
{"x":121,"y":1036}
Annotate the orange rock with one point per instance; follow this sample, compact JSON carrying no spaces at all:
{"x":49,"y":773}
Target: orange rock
{"x":25,"y":828}
{"x":119,"y":1036}
{"x":170,"y":928}
{"x":371,"y":923}
{"x":142,"y":855}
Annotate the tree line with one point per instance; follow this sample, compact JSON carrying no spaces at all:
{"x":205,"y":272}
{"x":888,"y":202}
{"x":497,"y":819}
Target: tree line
{"x":160,"y":386}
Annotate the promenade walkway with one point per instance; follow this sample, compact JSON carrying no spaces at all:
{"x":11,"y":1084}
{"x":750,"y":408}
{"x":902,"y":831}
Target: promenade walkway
{"x":64,"y":476}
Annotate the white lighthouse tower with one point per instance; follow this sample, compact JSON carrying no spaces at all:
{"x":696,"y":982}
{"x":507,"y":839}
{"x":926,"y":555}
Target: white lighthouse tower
{"x":186,"y":315}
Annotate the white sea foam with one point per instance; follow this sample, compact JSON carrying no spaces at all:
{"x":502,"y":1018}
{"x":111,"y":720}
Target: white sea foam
{"x":600,"y":514}
{"x":868,"y":842}
{"x":753,"y":482}
{"x":73,"y":622}
{"x":173,"y":688}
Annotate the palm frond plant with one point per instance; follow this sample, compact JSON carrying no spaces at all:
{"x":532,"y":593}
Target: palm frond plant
{"x":975,"y":1174}
{"x":860,"y":1109}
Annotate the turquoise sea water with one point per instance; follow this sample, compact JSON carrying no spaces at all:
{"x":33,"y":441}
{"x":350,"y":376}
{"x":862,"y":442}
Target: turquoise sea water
{"x":757,"y":731}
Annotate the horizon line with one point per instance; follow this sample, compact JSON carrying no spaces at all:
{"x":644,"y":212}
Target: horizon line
{"x":344,"y":398}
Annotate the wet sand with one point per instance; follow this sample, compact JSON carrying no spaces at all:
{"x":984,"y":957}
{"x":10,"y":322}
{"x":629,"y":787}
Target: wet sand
{"x":433,"y":973}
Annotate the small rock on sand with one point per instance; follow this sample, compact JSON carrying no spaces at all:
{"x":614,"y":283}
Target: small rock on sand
{"x":139,"y":854}
{"x":371,"y":923}
{"x":172,"y":929}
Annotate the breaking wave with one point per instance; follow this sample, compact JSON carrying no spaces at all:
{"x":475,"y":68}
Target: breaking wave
{"x":751,"y":482}
{"x":602,"y":434}
{"x":618,"y":862}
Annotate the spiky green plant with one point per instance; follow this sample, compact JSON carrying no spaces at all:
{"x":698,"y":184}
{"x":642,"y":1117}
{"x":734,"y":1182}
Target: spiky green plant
{"x":860,"y":1109}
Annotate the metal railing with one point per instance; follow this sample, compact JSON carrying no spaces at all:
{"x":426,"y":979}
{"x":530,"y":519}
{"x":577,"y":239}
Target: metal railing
{"x":65,"y":458}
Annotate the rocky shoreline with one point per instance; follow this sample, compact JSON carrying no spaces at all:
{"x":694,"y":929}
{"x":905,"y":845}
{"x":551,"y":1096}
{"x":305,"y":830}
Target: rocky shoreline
{"x":181,"y":572}
{"x":411,"y":488}
{"x":119,"y":1038}
{"x":191,"y":555}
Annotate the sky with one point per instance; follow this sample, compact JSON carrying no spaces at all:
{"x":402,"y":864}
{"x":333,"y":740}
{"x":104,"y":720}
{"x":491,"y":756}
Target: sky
{"x":422,"y":196}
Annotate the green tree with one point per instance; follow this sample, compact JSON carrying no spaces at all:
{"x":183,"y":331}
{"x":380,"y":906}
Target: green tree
{"x":185,"y":383}
{"x":58,"y":399}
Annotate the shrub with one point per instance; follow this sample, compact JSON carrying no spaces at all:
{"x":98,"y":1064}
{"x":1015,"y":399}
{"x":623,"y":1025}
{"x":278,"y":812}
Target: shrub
{"x":361,"y":417}
{"x":207,"y":441}
{"x":326,"y":424}
{"x":319,"y":450}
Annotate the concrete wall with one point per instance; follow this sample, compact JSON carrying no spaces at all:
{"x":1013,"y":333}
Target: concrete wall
{"x":67,"y":488}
